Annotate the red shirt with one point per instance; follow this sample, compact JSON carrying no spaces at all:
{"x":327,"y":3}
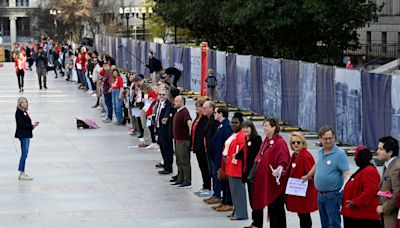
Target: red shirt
{"x":266,"y":190}
{"x":118,"y":83}
{"x":362,"y":190}
{"x":299,"y":166}
{"x":234,"y":169}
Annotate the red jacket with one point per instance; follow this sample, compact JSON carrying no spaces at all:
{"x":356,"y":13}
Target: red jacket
{"x":237,"y":145}
{"x":152,"y":94}
{"x":362,"y":190}
{"x":266,"y":190}
{"x":23,"y":65}
{"x":300,"y":166}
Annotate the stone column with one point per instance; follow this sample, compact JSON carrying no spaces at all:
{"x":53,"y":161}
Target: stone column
{"x":12,"y":3}
{"x":13,"y":31}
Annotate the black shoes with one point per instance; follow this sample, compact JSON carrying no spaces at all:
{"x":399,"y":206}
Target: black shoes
{"x":45,"y":87}
{"x":185,"y":184}
{"x":159,"y":165}
{"x":174,"y":178}
{"x":164,"y":172}
{"x":177,"y":183}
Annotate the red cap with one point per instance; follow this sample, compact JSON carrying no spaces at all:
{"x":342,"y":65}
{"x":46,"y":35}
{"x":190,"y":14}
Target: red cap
{"x":358,"y":149}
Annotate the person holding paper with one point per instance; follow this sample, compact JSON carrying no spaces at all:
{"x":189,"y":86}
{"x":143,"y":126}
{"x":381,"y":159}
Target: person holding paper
{"x":150,"y":98}
{"x":232,"y":163}
{"x":360,"y":198}
{"x":301,"y":163}
{"x":271,"y":161}
{"x":389,"y":187}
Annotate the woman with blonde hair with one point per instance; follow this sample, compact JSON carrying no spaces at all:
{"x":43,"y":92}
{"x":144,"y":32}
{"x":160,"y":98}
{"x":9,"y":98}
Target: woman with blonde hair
{"x":300,"y":164}
{"x":20,"y":69}
{"x":24,"y":134}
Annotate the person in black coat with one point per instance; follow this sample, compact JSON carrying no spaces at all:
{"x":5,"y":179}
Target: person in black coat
{"x":248,"y":155}
{"x":197,"y":146}
{"x":24,"y":134}
{"x":162,"y":111}
{"x":154,"y":65}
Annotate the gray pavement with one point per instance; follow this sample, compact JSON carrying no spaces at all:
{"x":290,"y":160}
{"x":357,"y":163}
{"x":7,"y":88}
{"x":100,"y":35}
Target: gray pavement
{"x":90,"y":178}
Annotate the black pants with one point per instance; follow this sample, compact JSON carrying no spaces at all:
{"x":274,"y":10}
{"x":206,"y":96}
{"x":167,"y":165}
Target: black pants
{"x":203,"y":164}
{"x":152,"y":133}
{"x":167,"y":151}
{"x":305,"y":220}
{"x":20,"y":76}
{"x":351,"y":222}
{"x":175,"y":82}
{"x":276,"y":213}
{"x":256,"y":215}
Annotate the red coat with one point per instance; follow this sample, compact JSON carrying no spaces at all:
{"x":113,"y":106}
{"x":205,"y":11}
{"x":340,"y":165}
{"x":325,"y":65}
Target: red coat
{"x":266,"y":190}
{"x":362,"y":190}
{"x":237,"y":145}
{"x":152,"y":94}
{"x":300,"y":166}
{"x":23,"y":65}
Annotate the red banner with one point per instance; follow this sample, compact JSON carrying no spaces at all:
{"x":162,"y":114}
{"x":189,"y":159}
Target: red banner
{"x":204,"y":68}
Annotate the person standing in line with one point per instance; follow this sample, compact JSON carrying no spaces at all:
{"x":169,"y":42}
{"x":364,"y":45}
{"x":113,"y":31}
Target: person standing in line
{"x":331,"y":171}
{"x":301,"y":163}
{"x":107,"y":80}
{"x":272,"y":160}
{"x":117,"y":90}
{"x":20,"y":67}
{"x":251,"y":148}
{"x":173,"y":92}
{"x":41,"y":64}
{"x":223,"y":132}
{"x":149,"y":99}
{"x":182,"y":124}
{"x":96,"y":80}
{"x":162,"y":117}
{"x":210,"y":129}
{"x":389,"y":186}
{"x":211,"y":81}
{"x":24,"y":134}
{"x":360,"y":198}
{"x":232,"y":163}
{"x":198,"y":147}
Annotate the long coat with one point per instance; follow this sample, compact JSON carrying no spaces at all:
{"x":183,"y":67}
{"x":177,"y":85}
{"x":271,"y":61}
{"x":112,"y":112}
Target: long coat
{"x":266,"y":189}
{"x":299,"y":166}
{"x":236,"y":146}
{"x":390,"y":182}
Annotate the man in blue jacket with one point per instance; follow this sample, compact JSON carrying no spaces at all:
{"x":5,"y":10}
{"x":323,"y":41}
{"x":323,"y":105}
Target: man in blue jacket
{"x":222,"y":134}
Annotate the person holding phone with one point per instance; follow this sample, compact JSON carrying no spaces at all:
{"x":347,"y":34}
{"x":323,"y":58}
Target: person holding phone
{"x":24,"y":134}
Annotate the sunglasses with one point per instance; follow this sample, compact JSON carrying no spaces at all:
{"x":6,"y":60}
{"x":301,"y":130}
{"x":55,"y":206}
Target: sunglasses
{"x":161,"y":94}
{"x":296,"y":142}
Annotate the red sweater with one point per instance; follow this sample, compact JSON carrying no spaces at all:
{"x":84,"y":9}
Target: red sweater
{"x":300,"y":166}
{"x":237,"y":144}
{"x":362,"y":190}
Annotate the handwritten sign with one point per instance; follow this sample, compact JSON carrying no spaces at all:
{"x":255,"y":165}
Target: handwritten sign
{"x":296,"y":187}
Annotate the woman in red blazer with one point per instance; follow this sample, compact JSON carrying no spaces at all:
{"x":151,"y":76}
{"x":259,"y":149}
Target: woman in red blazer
{"x":232,"y":164}
{"x":300,"y":164}
{"x":269,"y":185}
{"x":360,"y":193}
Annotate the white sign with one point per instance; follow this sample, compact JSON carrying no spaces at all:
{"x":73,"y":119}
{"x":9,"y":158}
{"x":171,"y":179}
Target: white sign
{"x":296,"y":187}
{"x":1,"y":40}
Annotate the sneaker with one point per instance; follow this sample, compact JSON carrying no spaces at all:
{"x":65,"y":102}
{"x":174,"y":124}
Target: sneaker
{"x":151,"y":146}
{"x":107,"y":120}
{"x":177,"y":183}
{"x":200,"y":191}
{"x":25,"y":177}
{"x":141,"y":139}
{"x":185,"y":184}
{"x":206,"y":193}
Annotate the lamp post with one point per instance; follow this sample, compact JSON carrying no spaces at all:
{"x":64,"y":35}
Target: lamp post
{"x":138,"y":12}
{"x":54,"y":12}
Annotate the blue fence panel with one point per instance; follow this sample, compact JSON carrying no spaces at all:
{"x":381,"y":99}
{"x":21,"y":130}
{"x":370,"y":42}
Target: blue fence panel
{"x":395,"y":106}
{"x":290,"y":91}
{"x":272,"y":88}
{"x":221,"y":74}
{"x":256,"y":85}
{"x":243,"y":81}
{"x":307,"y":95}
{"x":325,"y":96}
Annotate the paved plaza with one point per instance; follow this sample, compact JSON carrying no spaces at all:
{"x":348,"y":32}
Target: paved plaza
{"x":91,"y":178}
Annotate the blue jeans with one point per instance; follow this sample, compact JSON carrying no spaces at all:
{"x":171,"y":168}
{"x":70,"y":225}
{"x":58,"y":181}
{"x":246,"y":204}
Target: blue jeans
{"x":24,"y":153}
{"x":216,"y":183}
{"x":117,"y":104}
{"x":329,"y":209}
{"x":108,"y":101}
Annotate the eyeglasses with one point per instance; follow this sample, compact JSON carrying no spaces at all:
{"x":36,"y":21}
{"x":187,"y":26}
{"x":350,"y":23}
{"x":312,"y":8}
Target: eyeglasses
{"x":161,"y":94}
{"x":328,"y":139}
{"x":296,"y":142}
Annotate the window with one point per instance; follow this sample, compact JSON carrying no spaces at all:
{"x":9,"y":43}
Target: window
{"x":369,"y":40}
{"x":22,"y":3}
{"x":384,"y":41}
{"x":4,"y":26}
{"x":4,"y":3}
{"x":23,"y":26}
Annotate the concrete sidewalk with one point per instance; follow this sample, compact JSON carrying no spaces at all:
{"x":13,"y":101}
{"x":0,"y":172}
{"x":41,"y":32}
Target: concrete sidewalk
{"x":90,"y":178}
